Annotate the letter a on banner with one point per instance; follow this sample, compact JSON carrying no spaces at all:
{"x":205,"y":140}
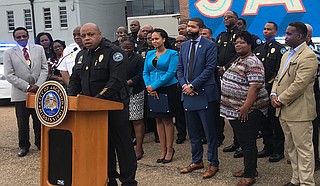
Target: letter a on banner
{"x":252,"y":6}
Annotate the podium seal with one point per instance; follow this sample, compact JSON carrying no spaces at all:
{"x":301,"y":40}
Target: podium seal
{"x":51,"y":103}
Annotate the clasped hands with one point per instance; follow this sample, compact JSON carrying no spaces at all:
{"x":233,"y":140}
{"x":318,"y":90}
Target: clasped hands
{"x":152,"y":92}
{"x":189,"y":91}
{"x":275,"y":102}
{"x":32,"y":88}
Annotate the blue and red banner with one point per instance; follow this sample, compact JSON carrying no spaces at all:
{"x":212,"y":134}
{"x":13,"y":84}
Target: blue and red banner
{"x":257,"y":13}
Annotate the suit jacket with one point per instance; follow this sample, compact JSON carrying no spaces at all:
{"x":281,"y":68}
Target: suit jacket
{"x":203,"y":74}
{"x":20,"y":75}
{"x":295,"y":86}
{"x":164,"y":74}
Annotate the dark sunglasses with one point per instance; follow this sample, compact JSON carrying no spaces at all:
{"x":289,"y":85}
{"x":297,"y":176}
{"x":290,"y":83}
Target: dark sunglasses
{"x":180,"y":41}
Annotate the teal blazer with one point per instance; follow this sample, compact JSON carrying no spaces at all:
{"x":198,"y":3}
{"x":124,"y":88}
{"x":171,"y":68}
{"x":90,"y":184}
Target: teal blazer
{"x":164,"y":73}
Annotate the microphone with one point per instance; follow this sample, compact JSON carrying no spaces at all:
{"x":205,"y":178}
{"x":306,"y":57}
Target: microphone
{"x":56,"y":66}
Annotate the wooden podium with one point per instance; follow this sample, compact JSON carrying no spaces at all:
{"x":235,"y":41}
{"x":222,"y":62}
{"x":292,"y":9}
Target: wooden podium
{"x":75,"y":152}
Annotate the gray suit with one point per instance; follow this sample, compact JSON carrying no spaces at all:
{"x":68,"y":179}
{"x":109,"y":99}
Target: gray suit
{"x":20,"y":75}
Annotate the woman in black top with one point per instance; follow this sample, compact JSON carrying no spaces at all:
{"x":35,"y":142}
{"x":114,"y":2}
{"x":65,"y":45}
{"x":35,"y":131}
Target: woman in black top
{"x":135,"y":82}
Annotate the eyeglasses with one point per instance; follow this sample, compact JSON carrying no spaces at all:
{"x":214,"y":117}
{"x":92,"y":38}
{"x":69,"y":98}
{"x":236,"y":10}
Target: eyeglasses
{"x":180,"y":41}
{"x":228,"y":17}
{"x":23,"y":36}
{"x":240,"y":42}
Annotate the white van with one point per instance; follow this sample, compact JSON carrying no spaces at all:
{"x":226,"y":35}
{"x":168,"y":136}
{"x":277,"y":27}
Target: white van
{"x":5,"y":86}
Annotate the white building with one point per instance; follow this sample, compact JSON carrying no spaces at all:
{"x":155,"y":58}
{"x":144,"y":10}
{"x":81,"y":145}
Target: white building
{"x":60,"y":17}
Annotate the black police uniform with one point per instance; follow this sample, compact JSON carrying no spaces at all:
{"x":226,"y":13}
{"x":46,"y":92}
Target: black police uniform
{"x":270,"y":54}
{"x":226,"y":51}
{"x":256,"y":41}
{"x":102,"y":73}
{"x":226,"y":54}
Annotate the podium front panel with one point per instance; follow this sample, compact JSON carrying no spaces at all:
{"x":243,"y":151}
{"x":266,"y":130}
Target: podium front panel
{"x":60,"y":157}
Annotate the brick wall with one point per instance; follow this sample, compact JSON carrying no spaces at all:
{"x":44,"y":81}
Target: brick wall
{"x":184,"y":9}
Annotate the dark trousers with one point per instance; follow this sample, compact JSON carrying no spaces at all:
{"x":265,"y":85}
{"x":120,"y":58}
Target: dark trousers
{"x":181,"y":124}
{"x":23,"y":115}
{"x":273,"y":137}
{"x":120,"y":146}
{"x":200,"y":120}
{"x":247,"y":135}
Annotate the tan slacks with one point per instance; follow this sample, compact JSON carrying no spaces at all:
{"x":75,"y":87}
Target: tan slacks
{"x":298,"y":139}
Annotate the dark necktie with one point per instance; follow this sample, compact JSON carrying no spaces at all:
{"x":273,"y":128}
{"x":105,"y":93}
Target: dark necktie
{"x":26,"y":56}
{"x":191,"y":60}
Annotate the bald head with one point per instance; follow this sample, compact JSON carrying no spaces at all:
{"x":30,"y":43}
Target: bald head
{"x":309,"y":35}
{"x":76,"y":36}
{"x":135,"y":26}
{"x":122,"y":29}
{"x":91,"y":35}
{"x":145,"y":30}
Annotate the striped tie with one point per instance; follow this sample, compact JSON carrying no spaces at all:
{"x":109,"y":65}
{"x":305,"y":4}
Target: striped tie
{"x":26,"y":56}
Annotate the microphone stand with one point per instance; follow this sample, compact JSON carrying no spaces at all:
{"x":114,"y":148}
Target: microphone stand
{"x":58,"y":64}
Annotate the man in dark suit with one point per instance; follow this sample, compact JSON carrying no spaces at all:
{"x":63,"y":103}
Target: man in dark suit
{"x":26,"y":68}
{"x":196,"y":75}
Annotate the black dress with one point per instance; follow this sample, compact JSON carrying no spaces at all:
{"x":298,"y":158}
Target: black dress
{"x":173,"y":99}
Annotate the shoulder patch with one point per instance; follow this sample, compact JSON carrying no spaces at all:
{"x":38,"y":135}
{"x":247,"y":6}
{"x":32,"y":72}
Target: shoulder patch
{"x":117,"y":57}
{"x":258,"y":41}
{"x":283,"y":50}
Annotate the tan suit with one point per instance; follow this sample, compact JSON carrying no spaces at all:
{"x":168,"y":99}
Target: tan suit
{"x":294,"y":88}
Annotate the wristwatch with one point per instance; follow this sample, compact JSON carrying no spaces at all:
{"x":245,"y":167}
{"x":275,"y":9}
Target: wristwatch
{"x":191,"y":86}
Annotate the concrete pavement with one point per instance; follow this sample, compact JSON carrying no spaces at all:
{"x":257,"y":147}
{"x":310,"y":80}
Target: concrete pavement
{"x":15,"y":171}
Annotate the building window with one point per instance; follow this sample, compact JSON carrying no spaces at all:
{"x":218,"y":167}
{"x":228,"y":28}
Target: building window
{"x":63,"y":17}
{"x":152,"y":7}
{"x":47,"y":18}
{"x":27,"y":19}
{"x":10,"y":18}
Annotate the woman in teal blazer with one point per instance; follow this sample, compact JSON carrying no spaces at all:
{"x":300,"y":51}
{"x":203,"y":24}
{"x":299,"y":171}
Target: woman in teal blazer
{"x":159,"y":77}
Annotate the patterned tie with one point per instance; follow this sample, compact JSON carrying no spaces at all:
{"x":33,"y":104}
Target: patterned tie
{"x":26,"y":56}
{"x":292,"y":52}
{"x":191,"y":60}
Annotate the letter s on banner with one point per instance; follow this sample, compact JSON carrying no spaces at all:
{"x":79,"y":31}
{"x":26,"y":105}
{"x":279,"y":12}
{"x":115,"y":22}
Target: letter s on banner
{"x":213,"y":9}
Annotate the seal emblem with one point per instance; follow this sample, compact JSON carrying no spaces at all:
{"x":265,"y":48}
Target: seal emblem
{"x":51,"y":103}
{"x":117,"y":57}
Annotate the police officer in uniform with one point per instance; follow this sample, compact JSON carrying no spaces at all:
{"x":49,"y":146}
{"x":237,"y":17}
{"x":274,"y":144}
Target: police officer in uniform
{"x":226,"y":53}
{"x":100,"y":71}
{"x":242,"y":25}
{"x":270,"y":54}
